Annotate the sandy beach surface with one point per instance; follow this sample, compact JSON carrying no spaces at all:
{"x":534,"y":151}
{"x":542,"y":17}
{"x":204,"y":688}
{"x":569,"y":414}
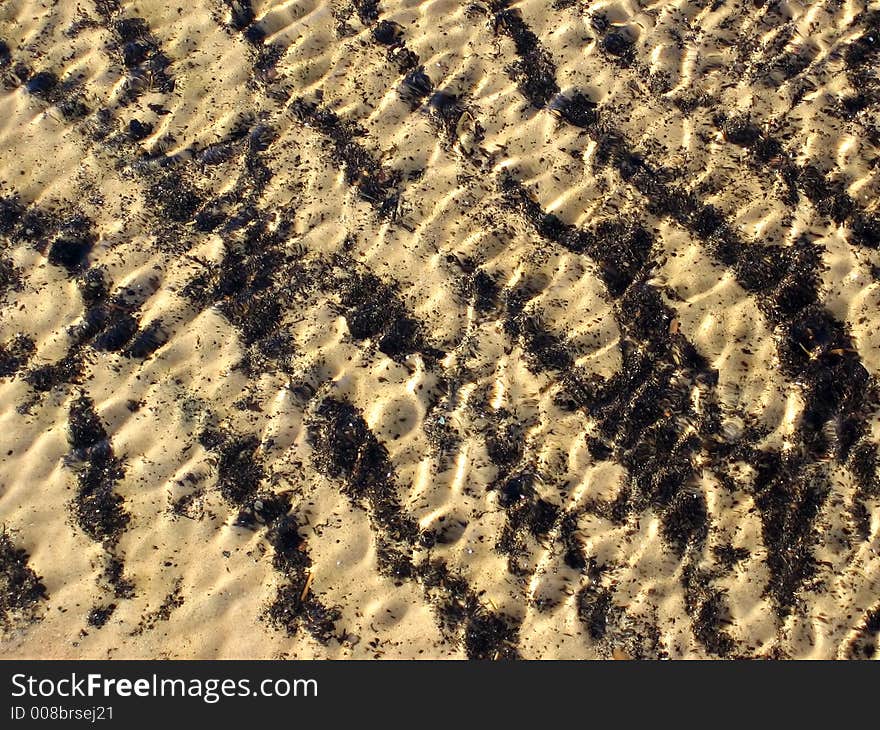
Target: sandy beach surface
{"x":397,"y":329}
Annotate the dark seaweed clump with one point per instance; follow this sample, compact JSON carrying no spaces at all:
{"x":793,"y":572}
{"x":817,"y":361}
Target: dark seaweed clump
{"x":116,"y":332}
{"x":837,"y":386}
{"x":533,"y":71}
{"x":149,"y":68}
{"x":612,"y":628}
{"x":108,"y":324}
{"x":98,"y":510}
{"x":21,"y":589}
{"x":367,"y":10}
{"x":864,"y":48}
{"x":175,"y":197}
{"x":100,"y":615}
{"x":46,"y":86}
{"x":828,"y":195}
{"x":527,"y":513}
{"x":577,"y":109}
{"x":789,"y":496}
{"x":148,"y":340}
{"x":621,"y":248}
{"x":344,"y":447}
{"x":288,"y":611}
{"x":686,"y":518}
{"x":387,"y":32}
{"x":114,"y":575}
{"x":573,"y":554}
{"x":595,"y":609}
{"x":295,"y":604}
{"x":864,"y":643}
{"x":72,"y":244}
{"x":139,"y":130}
{"x":15,"y":354}
{"x":47,"y":377}
{"x":374,"y":310}
{"x":11,"y":211}
{"x":42,"y":84}
{"x":239,"y":471}
{"x":639,"y":410}
{"x":241,"y":14}
{"x":487,"y":635}
{"x":619,"y":45}
{"x":415,"y":87}
{"x":705,"y":605}
{"x":483,"y":290}
{"x":739,"y":130}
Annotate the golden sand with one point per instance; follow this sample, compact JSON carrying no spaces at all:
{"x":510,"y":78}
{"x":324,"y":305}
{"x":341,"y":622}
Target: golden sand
{"x":241,"y":159}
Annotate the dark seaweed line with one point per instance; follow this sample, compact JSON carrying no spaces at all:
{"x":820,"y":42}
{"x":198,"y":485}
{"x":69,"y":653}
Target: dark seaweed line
{"x":373,"y":183}
{"x":626,"y":411}
{"x":646,"y":381}
{"x":345,"y":449}
{"x":631,"y":411}
{"x":97,"y":508}
{"x":701,"y":219}
{"x":257,"y":275}
{"x":239,"y":478}
{"x":621,"y":256}
{"x":108,"y":325}
{"x":239,"y":472}
{"x":364,"y":305}
{"x":781,"y":278}
{"x":854,"y":54}
{"x":828,"y":197}
{"x":243,"y":20}
{"x":788,"y":507}
{"x":815,"y":348}
{"x":525,"y":512}
{"x":863,"y":643}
